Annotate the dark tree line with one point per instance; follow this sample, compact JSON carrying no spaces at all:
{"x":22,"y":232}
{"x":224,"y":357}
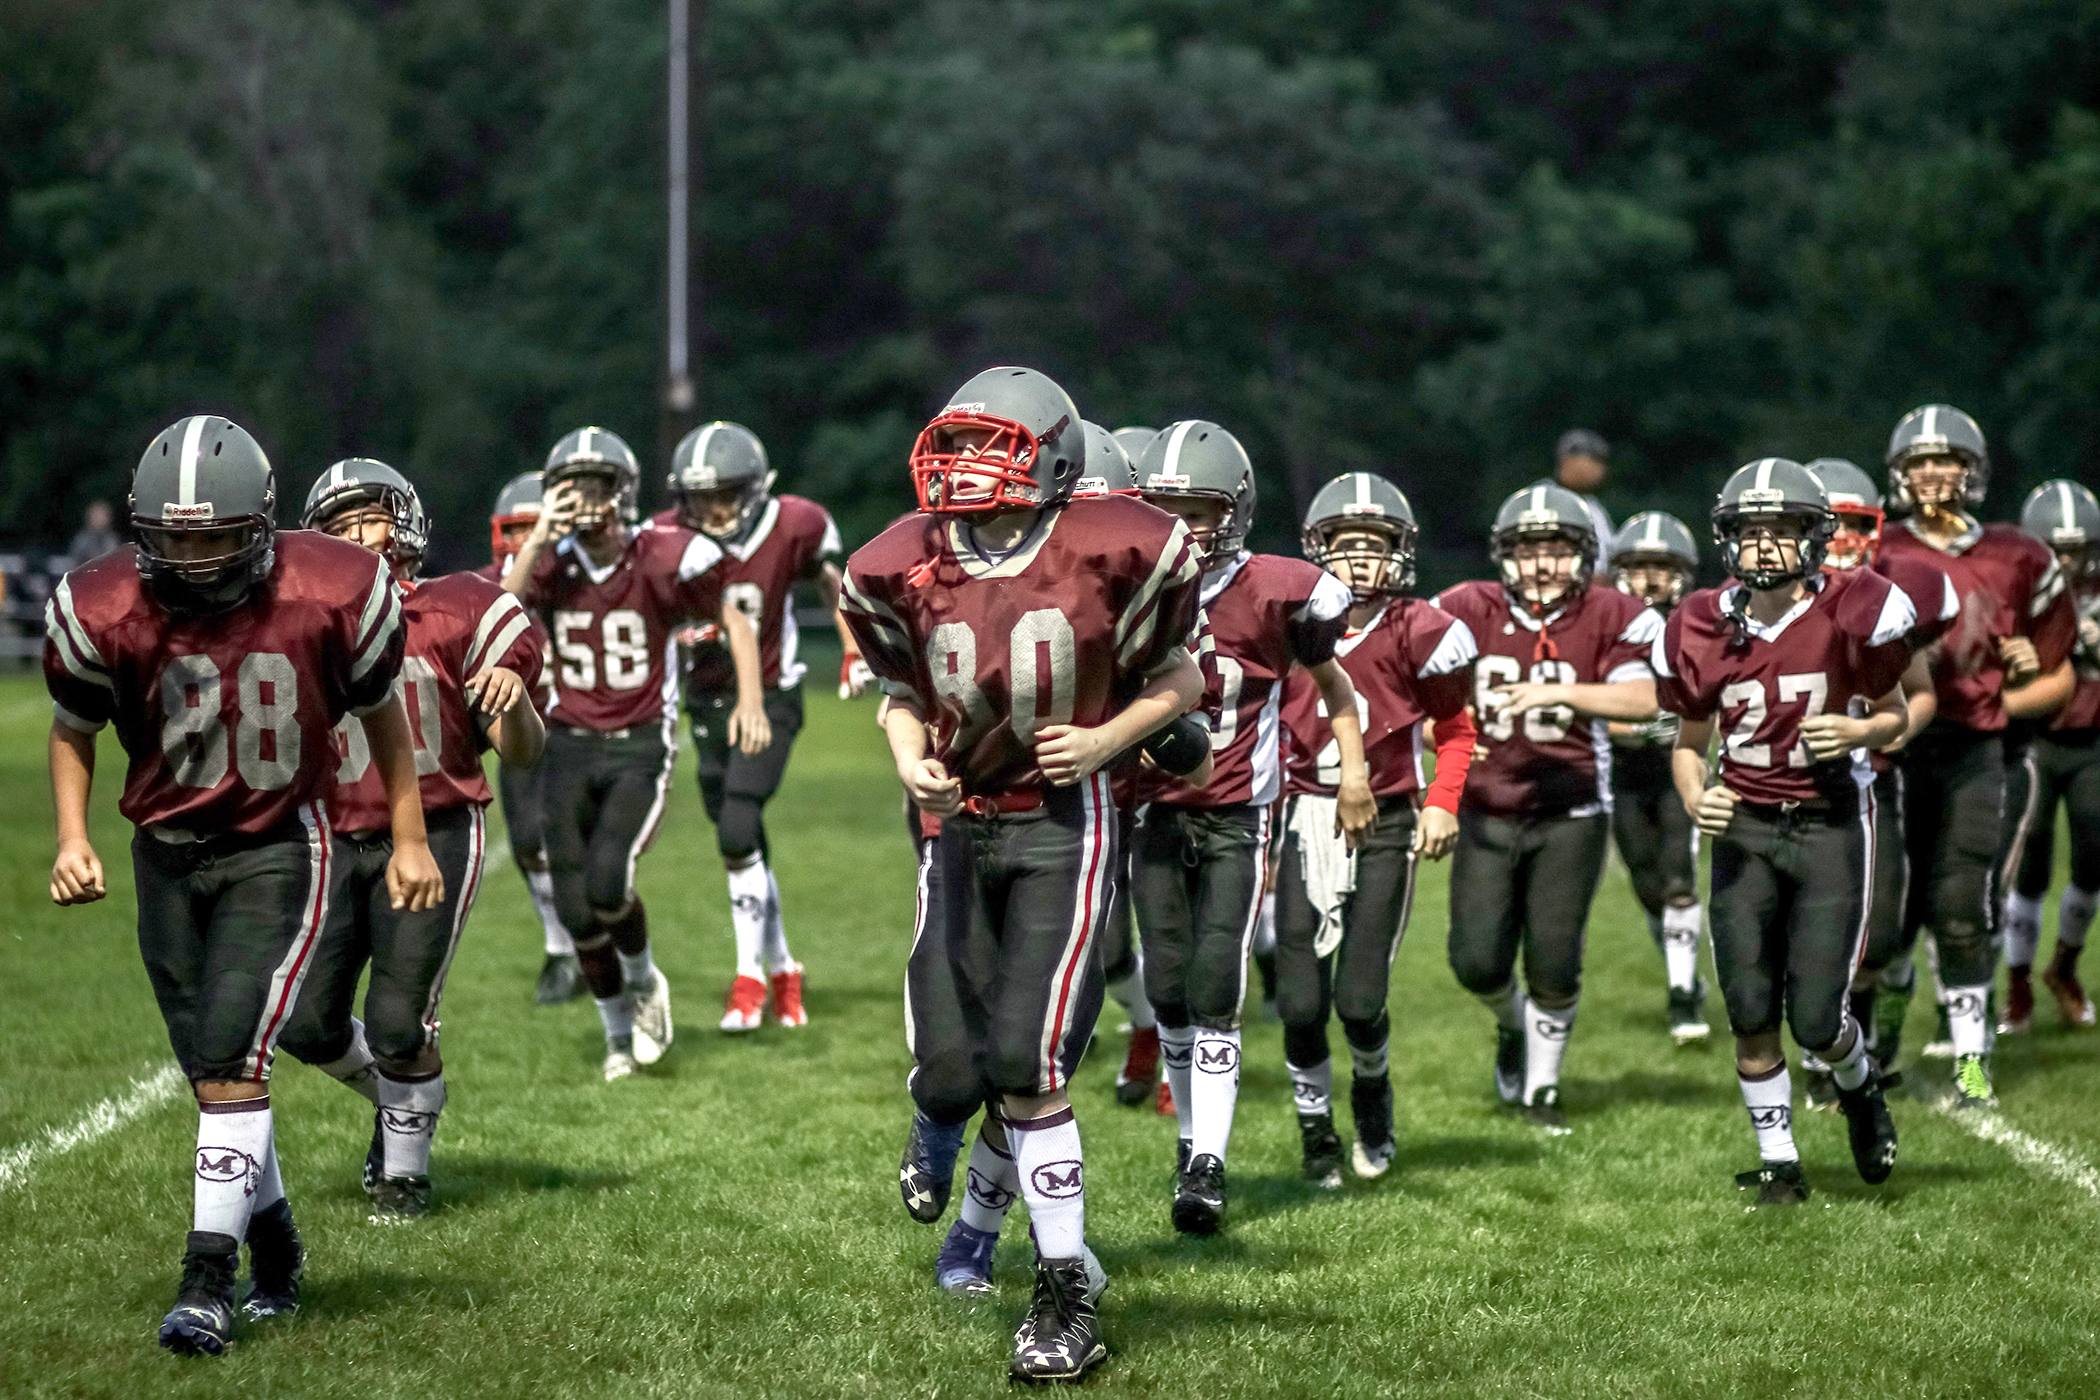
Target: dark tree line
{"x":1419,"y":238}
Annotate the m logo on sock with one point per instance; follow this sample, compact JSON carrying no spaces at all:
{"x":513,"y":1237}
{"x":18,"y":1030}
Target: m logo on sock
{"x":1174,"y":1056}
{"x":749,"y":905}
{"x":1964,"y":1004}
{"x":1060,"y":1181}
{"x":1217,"y":1057}
{"x":407,"y":1122}
{"x":226,"y":1164}
{"x":988,"y":1193}
{"x":1550,"y":1029}
{"x":1766,"y":1119}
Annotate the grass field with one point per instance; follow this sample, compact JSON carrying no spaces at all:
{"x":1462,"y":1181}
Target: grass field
{"x":729,"y":1224}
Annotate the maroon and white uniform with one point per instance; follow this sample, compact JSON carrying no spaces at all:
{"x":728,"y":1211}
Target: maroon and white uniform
{"x":1840,"y":649}
{"x":2009,"y":586}
{"x":1549,"y":762}
{"x":789,"y":544}
{"x":613,"y":629}
{"x":457,"y":627}
{"x":2082,"y":710}
{"x":228,"y":720}
{"x":1410,"y":663}
{"x":1263,"y":614}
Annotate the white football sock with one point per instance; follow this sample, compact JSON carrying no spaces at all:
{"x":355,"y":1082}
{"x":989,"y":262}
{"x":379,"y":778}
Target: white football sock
{"x":778,"y":958}
{"x":2074,"y":915}
{"x":1177,"y":1047}
{"x":747,"y":916}
{"x":1130,"y":995}
{"x":1770,"y":1099}
{"x":1215,"y":1088}
{"x":1053,"y":1181}
{"x":233,"y":1143}
{"x":1850,"y":1070}
{"x":1313,"y":1089}
{"x":408,"y":1119}
{"x":269,"y":1187}
{"x":638,"y":971}
{"x":356,"y":1070}
{"x":2023,"y":929}
{"x":1966,"y":1023}
{"x":617,"y":1012}
{"x":1265,"y":926}
{"x":1545,"y":1041}
{"x":541,"y":886}
{"x":1680,"y":938}
{"x":990,"y":1183}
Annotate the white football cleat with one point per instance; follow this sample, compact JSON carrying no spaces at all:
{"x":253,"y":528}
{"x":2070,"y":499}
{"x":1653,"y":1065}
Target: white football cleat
{"x":618,"y":1065}
{"x":652,"y":1022}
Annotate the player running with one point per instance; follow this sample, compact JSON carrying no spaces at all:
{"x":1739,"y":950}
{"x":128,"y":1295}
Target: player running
{"x":1653,"y":558}
{"x":471,"y":663}
{"x":225,"y":653}
{"x":614,"y":598}
{"x":1197,"y":867}
{"x":1341,"y":912}
{"x":1799,"y":668}
{"x":1561,"y":656}
{"x":1024,"y":640}
{"x":2016,"y":627}
{"x":721,"y":487}
{"x":2066,"y":760}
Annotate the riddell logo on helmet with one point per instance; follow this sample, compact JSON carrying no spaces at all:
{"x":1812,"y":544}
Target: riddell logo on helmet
{"x":964,"y":408}
{"x":1366,"y":508}
{"x":1166,"y":482}
{"x":200,"y":511}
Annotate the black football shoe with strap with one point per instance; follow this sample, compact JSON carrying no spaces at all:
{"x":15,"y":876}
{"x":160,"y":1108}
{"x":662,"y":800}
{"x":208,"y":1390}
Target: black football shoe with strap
{"x":201,"y":1321}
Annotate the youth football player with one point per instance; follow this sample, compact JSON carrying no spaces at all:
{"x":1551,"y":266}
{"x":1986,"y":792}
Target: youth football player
{"x":225,"y":653}
{"x":471,"y":663}
{"x":1798,"y":669}
{"x":1024,"y":640}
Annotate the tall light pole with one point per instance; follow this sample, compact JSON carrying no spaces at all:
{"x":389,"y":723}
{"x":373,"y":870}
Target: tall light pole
{"x":682,"y":292}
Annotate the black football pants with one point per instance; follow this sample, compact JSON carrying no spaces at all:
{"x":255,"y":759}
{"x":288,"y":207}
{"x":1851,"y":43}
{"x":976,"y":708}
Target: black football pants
{"x":1886,"y":942}
{"x":1523,"y":884}
{"x":1195,"y":878}
{"x":524,"y":813}
{"x":604,"y":796}
{"x":1656,"y":837}
{"x":2066,"y":770}
{"x":1355,"y":978}
{"x":1953,"y":822}
{"x":735,"y":786}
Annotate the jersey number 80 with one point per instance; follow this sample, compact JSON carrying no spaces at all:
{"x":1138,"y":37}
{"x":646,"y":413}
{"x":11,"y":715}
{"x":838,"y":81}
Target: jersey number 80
{"x":1042,"y":673}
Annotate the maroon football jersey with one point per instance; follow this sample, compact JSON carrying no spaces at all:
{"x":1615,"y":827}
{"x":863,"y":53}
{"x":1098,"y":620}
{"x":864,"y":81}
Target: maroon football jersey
{"x":1263,"y":614}
{"x":1062,"y":630}
{"x":1412,"y":661}
{"x":788,"y":544}
{"x":457,"y":627}
{"x":228,"y":720}
{"x":1838,"y":651}
{"x":2010,"y":586}
{"x":614,"y":629}
{"x":543,"y":688}
{"x":1550,"y":762}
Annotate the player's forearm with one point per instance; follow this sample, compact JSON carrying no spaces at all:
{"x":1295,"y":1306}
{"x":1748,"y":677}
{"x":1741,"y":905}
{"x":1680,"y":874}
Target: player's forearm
{"x":1889,"y":722}
{"x":743,"y":652}
{"x":394,"y":754}
{"x":1919,"y":696}
{"x":1166,"y":697}
{"x":2044,"y":695}
{"x":72,"y":780}
{"x":519,"y":737}
{"x":519,"y":576}
{"x":906,"y":731}
{"x":1622,"y":700}
{"x":1688,"y":762}
{"x":1339,"y":693}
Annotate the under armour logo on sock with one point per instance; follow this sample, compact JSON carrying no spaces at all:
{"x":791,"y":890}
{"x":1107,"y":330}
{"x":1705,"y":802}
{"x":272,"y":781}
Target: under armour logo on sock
{"x":1766,"y":1119}
{"x":1218,"y":1057}
{"x":226,"y":1164}
{"x":1057,"y":1180}
{"x":988,"y":1193}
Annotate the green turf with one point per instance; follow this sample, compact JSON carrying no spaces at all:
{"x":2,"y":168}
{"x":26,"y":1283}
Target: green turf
{"x":729,"y":1224}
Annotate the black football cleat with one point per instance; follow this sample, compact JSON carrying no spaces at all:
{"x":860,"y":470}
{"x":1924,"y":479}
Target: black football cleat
{"x":1199,"y":1198}
{"x":1544,"y":1111}
{"x":276,"y":1262}
{"x":1871,"y":1128}
{"x":561,"y":980}
{"x":1182,"y":1147}
{"x":375,"y":1157}
{"x":1776,"y":1183}
{"x":1059,"y":1339}
{"x":1509,"y":1064}
{"x":397,"y":1200}
{"x":1323,"y":1150}
{"x":202,"y":1319}
{"x":926,"y":1176}
{"x":1371,"y":1104}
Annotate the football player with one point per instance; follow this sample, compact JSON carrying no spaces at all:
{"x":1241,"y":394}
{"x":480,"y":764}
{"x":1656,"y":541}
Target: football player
{"x":722,"y":487}
{"x":614,"y":598}
{"x":225,"y":653}
{"x":1200,"y":854}
{"x":466,"y":681}
{"x":518,"y":789}
{"x":1993,"y":665}
{"x":1561,"y":656}
{"x":1653,"y":558}
{"x":1024,"y":640}
{"x":2066,"y":761}
{"x":1799,"y":669}
{"x":1340,"y":913}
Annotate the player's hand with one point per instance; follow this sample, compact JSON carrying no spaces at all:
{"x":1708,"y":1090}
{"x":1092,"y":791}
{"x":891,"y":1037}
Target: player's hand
{"x":1715,"y":810}
{"x":1833,"y":736}
{"x":1512,"y":700}
{"x":2022,"y":662}
{"x":76,"y":875}
{"x":496,"y":691}
{"x":855,"y":677}
{"x":558,"y":516}
{"x":930,"y":788}
{"x":1068,"y":754}
{"x":413,"y":881}
{"x":700,"y":632}
{"x":750,"y":730}
{"x":2089,"y":633}
{"x":1436,"y":832}
{"x":1354,"y":810}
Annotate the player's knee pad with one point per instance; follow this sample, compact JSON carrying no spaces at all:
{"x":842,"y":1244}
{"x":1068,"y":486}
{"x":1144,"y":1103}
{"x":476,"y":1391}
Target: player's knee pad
{"x":1299,"y":1004}
{"x":740,"y":829}
{"x":1965,"y":952}
{"x":420,"y":1065}
{"x":1479,"y":971}
{"x":1367,"y":1033}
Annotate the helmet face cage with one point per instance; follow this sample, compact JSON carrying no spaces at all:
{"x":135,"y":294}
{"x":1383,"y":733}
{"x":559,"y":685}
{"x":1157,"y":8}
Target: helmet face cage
{"x":1851,"y":548}
{"x":1623,"y":565}
{"x":752,"y":494}
{"x":620,"y":497}
{"x":2066,"y":516}
{"x":160,"y":518}
{"x":1222,"y":542}
{"x":1580,"y":538}
{"x":1006,"y":460}
{"x":411,"y":533}
{"x":211,"y":584}
{"x":1392,"y":571}
{"x":1815,"y":526}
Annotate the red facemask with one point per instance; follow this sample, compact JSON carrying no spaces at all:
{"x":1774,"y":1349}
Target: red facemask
{"x":1851,"y":548}
{"x":1002,"y":463}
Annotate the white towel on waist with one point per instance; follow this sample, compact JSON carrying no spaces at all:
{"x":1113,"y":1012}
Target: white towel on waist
{"x":1327,"y":863}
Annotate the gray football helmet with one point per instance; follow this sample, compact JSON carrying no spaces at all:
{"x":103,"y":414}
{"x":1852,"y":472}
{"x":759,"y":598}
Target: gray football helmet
{"x":361,"y":481}
{"x":1933,"y":430}
{"x":204,"y":476}
{"x":1135,"y":440}
{"x":518,"y":503}
{"x":1200,"y":459}
{"x":1541,"y":511}
{"x":1357,"y":503}
{"x":1853,"y":496}
{"x":596,"y":452}
{"x":1029,"y":450}
{"x":2066,"y":517}
{"x":720,"y":457}
{"x":1655,"y":538}
{"x":1773,"y":491}
{"x":1108,"y":468}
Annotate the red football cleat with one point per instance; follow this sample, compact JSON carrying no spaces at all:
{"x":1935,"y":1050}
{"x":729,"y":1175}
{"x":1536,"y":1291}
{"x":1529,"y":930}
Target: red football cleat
{"x":1164,"y":1104}
{"x":2061,"y":978}
{"x":787,"y":997}
{"x":1140,"y":1067}
{"x":747,"y":1004}
{"x":2019,"y":1003}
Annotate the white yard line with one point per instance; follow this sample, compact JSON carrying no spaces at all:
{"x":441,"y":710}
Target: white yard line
{"x":2030,"y":1151}
{"x":98,"y":1122}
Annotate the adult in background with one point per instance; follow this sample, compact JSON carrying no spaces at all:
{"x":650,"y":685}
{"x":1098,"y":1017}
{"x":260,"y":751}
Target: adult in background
{"x":1582,"y":462}
{"x":96,"y":537}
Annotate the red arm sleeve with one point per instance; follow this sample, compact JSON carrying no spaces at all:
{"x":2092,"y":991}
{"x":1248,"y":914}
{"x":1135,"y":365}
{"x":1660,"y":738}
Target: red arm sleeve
{"x":1455,"y":738}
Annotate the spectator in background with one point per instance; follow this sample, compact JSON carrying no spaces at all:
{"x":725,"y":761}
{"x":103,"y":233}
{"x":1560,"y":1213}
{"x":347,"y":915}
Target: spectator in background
{"x":1581,"y":461}
{"x":95,"y":538}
